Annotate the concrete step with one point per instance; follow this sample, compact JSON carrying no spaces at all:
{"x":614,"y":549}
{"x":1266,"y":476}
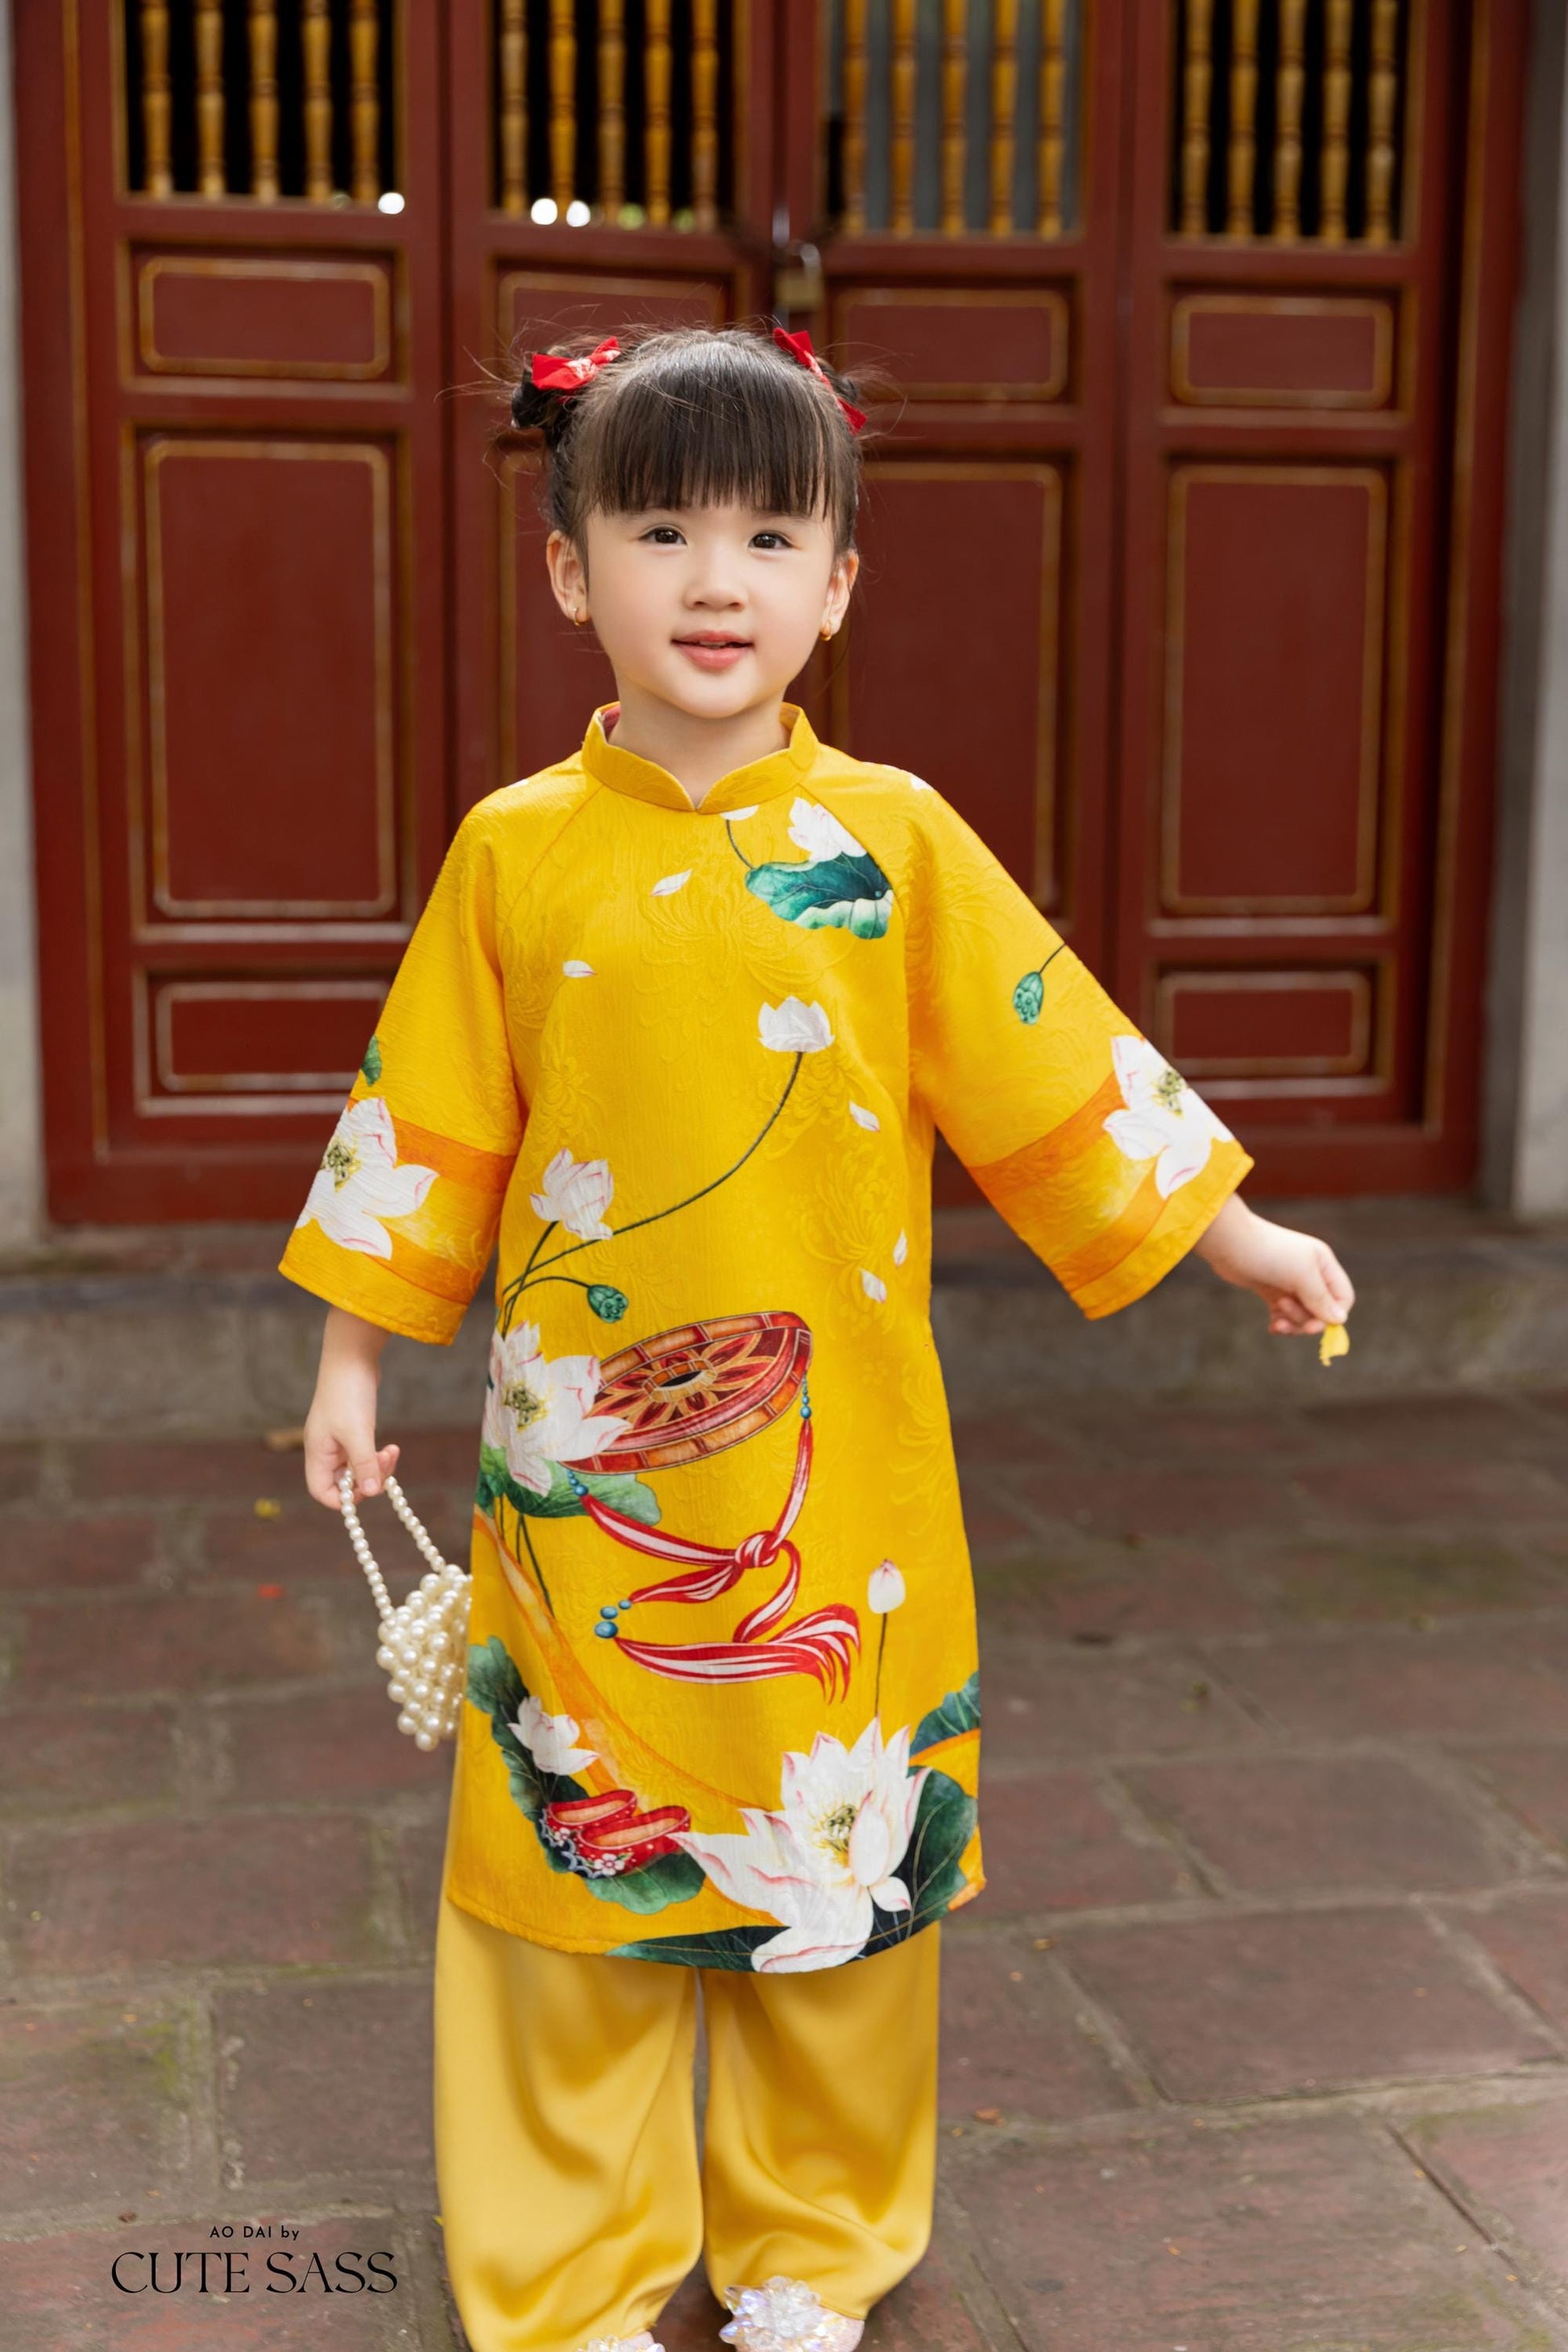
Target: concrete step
{"x":191,"y":1330}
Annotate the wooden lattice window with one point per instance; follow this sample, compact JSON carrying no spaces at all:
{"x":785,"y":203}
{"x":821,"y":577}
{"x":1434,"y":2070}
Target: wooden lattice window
{"x":953,"y":118}
{"x":1289,"y":119}
{"x":262,"y":99}
{"x":615,"y":111}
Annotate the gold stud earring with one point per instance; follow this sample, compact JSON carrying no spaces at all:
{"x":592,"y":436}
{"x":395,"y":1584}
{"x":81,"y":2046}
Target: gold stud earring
{"x":826,"y":631}
{"x":578,"y":619}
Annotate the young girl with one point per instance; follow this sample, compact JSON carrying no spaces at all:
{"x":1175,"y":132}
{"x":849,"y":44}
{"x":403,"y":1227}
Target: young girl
{"x":677,"y":1026}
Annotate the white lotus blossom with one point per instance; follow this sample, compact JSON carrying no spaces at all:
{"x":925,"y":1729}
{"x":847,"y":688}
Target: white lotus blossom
{"x":792,"y":1027}
{"x":360,"y":1181}
{"x":901,"y":1248}
{"x":818,"y":832}
{"x":864,"y":1117}
{"x":737,"y":816}
{"x":576,"y":969}
{"x":576,"y":1193}
{"x":873,"y":1285}
{"x":833,"y":1849}
{"x":885,"y":1589}
{"x":549,"y":1738}
{"x":1163,"y":1120}
{"x":668,"y":884}
{"x":539,"y":1413}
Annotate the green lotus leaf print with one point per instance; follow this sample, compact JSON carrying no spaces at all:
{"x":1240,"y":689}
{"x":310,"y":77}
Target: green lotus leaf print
{"x":370,"y":1068}
{"x":838,"y":885}
{"x":526,"y":1736}
{"x":563,"y":1501}
{"x":958,"y":1712}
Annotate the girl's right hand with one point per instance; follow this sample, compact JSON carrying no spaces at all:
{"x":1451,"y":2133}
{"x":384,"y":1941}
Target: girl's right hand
{"x":340,"y":1428}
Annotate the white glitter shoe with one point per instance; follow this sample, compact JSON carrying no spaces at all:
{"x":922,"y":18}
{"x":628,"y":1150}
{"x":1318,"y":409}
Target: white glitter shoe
{"x":641,"y":2342}
{"x":786,"y":2316}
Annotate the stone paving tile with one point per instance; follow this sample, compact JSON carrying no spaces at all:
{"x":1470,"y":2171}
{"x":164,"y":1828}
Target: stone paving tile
{"x":1161,"y":1502}
{"x":1010,"y":2041}
{"x":54,"y":1760}
{"x":173,"y":1642}
{"x":1192,"y":1433}
{"x":330,"y":2077}
{"x":56,"y":1555}
{"x":267,"y":1889}
{"x":1266,"y":2004}
{"x":21,"y":1466}
{"x":1087,"y":1591}
{"x":1042,"y":1703}
{"x":992,"y":1519}
{"x":1509,"y":2167}
{"x":1425,"y":1489}
{"x":1527,"y":1936}
{"x":1279,"y":1822}
{"x":302,"y":1544}
{"x":60,"y":2297}
{"x":1531,"y":1782}
{"x":1052,"y":1842}
{"x":91,"y":2107}
{"x":1315,"y":2235}
{"x":218,"y":1469}
{"x":1391,"y":1577}
{"x":421,"y":1848}
{"x":328,"y":1745}
{"x":1477,"y":1428}
{"x":1466,"y":1683}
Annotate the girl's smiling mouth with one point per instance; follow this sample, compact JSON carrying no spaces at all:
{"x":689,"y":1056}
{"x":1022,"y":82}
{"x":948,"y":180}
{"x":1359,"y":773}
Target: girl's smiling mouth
{"x":713,"y":648}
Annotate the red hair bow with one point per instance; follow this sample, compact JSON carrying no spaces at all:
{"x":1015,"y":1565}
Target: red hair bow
{"x":799,"y":348}
{"x":554,"y":373}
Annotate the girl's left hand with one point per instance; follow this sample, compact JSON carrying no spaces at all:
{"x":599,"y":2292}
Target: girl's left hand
{"x":1297,"y":1277}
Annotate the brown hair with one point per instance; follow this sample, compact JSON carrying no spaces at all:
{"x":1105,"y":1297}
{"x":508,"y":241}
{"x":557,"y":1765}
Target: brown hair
{"x":695,"y":417}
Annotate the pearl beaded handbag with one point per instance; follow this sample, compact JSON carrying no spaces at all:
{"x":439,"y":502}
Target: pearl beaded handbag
{"x":424,"y":1641}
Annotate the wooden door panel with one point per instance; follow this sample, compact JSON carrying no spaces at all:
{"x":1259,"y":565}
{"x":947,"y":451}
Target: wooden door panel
{"x":1303,"y":568}
{"x":1275,"y":652}
{"x":236,"y":578}
{"x":961,"y":683}
{"x":273,"y":681}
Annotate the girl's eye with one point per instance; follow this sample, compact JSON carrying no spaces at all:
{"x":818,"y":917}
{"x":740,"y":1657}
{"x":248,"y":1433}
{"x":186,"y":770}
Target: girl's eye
{"x":663,"y":534}
{"x":769,"y":539}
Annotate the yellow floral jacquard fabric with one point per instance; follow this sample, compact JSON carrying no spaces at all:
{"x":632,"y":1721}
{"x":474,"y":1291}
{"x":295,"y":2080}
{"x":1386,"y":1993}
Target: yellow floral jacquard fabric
{"x":684,"y":1064}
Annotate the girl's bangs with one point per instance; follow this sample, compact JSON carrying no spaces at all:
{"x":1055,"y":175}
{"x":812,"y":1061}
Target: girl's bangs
{"x":683,"y":436}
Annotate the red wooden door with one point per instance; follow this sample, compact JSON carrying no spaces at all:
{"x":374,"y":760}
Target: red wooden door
{"x":1181,"y":540}
{"x":1319,"y":280}
{"x":236,"y":533}
{"x":1182,"y":552}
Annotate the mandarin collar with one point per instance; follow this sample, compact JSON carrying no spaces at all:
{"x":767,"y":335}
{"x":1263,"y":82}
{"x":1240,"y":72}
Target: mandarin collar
{"x":645,"y":780}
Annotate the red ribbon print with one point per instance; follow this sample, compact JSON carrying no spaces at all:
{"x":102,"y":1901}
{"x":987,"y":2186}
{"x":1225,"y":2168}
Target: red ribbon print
{"x":799,"y":348}
{"x":554,"y":373}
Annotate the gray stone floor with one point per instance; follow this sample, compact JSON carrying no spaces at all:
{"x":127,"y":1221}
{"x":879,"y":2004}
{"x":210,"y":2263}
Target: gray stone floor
{"x":1257,"y":2042}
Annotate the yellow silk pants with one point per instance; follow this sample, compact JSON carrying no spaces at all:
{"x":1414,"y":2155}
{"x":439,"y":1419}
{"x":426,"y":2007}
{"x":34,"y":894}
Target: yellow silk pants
{"x":573,"y":2197}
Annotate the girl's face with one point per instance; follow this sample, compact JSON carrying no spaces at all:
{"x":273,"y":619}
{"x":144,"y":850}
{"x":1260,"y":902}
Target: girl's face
{"x":712,"y":609}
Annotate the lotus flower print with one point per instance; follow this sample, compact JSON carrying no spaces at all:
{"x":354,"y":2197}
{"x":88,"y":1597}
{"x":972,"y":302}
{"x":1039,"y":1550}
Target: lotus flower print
{"x":1163,"y":1120}
{"x":576,"y":1193}
{"x":360,"y":1181}
{"x":539,"y":1413}
{"x":818,"y":832}
{"x":549,"y":1738}
{"x":828,"y":1855}
{"x":840,"y":886}
{"x":792,"y":1027}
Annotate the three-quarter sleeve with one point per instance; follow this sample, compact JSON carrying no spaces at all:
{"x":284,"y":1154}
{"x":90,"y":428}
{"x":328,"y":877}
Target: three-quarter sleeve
{"x":402,"y":1215}
{"x":1095,"y":1151}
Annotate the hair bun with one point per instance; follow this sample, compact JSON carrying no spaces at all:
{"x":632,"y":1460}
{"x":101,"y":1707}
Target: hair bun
{"x":532,"y":407}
